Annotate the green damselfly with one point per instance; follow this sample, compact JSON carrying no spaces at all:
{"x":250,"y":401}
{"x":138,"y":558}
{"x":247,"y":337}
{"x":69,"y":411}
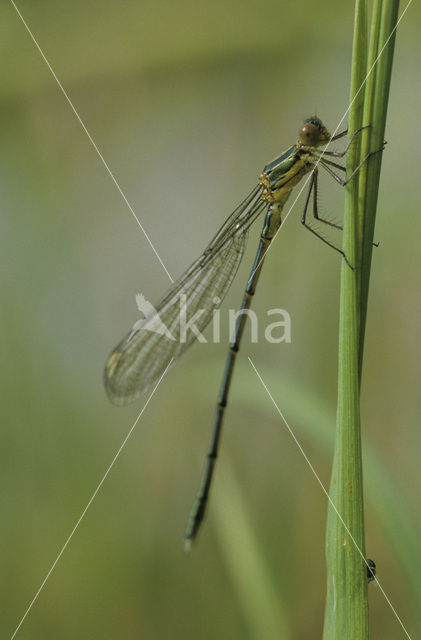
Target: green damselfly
{"x":144,"y":354}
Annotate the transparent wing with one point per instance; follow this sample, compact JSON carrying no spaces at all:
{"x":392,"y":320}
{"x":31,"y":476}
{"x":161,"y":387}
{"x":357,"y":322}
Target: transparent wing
{"x":164,"y":334}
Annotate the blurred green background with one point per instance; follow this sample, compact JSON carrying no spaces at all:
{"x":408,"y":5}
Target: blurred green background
{"x":187,"y":101}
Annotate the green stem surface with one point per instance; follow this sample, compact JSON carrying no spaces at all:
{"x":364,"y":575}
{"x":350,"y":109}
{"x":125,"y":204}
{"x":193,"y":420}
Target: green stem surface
{"x":346,"y":615}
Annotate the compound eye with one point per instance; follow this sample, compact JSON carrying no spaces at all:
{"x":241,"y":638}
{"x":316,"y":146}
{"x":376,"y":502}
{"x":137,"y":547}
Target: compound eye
{"x":309,"y":134}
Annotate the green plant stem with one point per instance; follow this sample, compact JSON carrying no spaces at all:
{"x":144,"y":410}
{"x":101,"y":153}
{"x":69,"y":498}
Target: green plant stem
{"x":385,"y":16}
{"x":346,"y":614}
{"x":346,"y":603}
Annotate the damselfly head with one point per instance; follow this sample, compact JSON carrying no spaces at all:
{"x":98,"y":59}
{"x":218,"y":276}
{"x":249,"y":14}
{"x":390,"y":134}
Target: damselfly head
{"x":313,"y":133}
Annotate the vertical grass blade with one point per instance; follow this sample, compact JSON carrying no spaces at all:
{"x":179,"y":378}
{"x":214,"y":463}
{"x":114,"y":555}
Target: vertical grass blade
{"x":346,"y":614}
{"x":382,"y":45}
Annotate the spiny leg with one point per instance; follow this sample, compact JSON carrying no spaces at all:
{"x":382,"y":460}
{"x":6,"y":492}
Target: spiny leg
{"x":338,"y":135}
{"x":342,"y":182}
{"x":325,"y":163}
{"x":315,"y":209}
{"x":340,"y":154}
{"x":307,"y":226}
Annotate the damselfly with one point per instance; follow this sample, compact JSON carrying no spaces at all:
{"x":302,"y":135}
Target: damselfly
{"x":145,"y":353}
